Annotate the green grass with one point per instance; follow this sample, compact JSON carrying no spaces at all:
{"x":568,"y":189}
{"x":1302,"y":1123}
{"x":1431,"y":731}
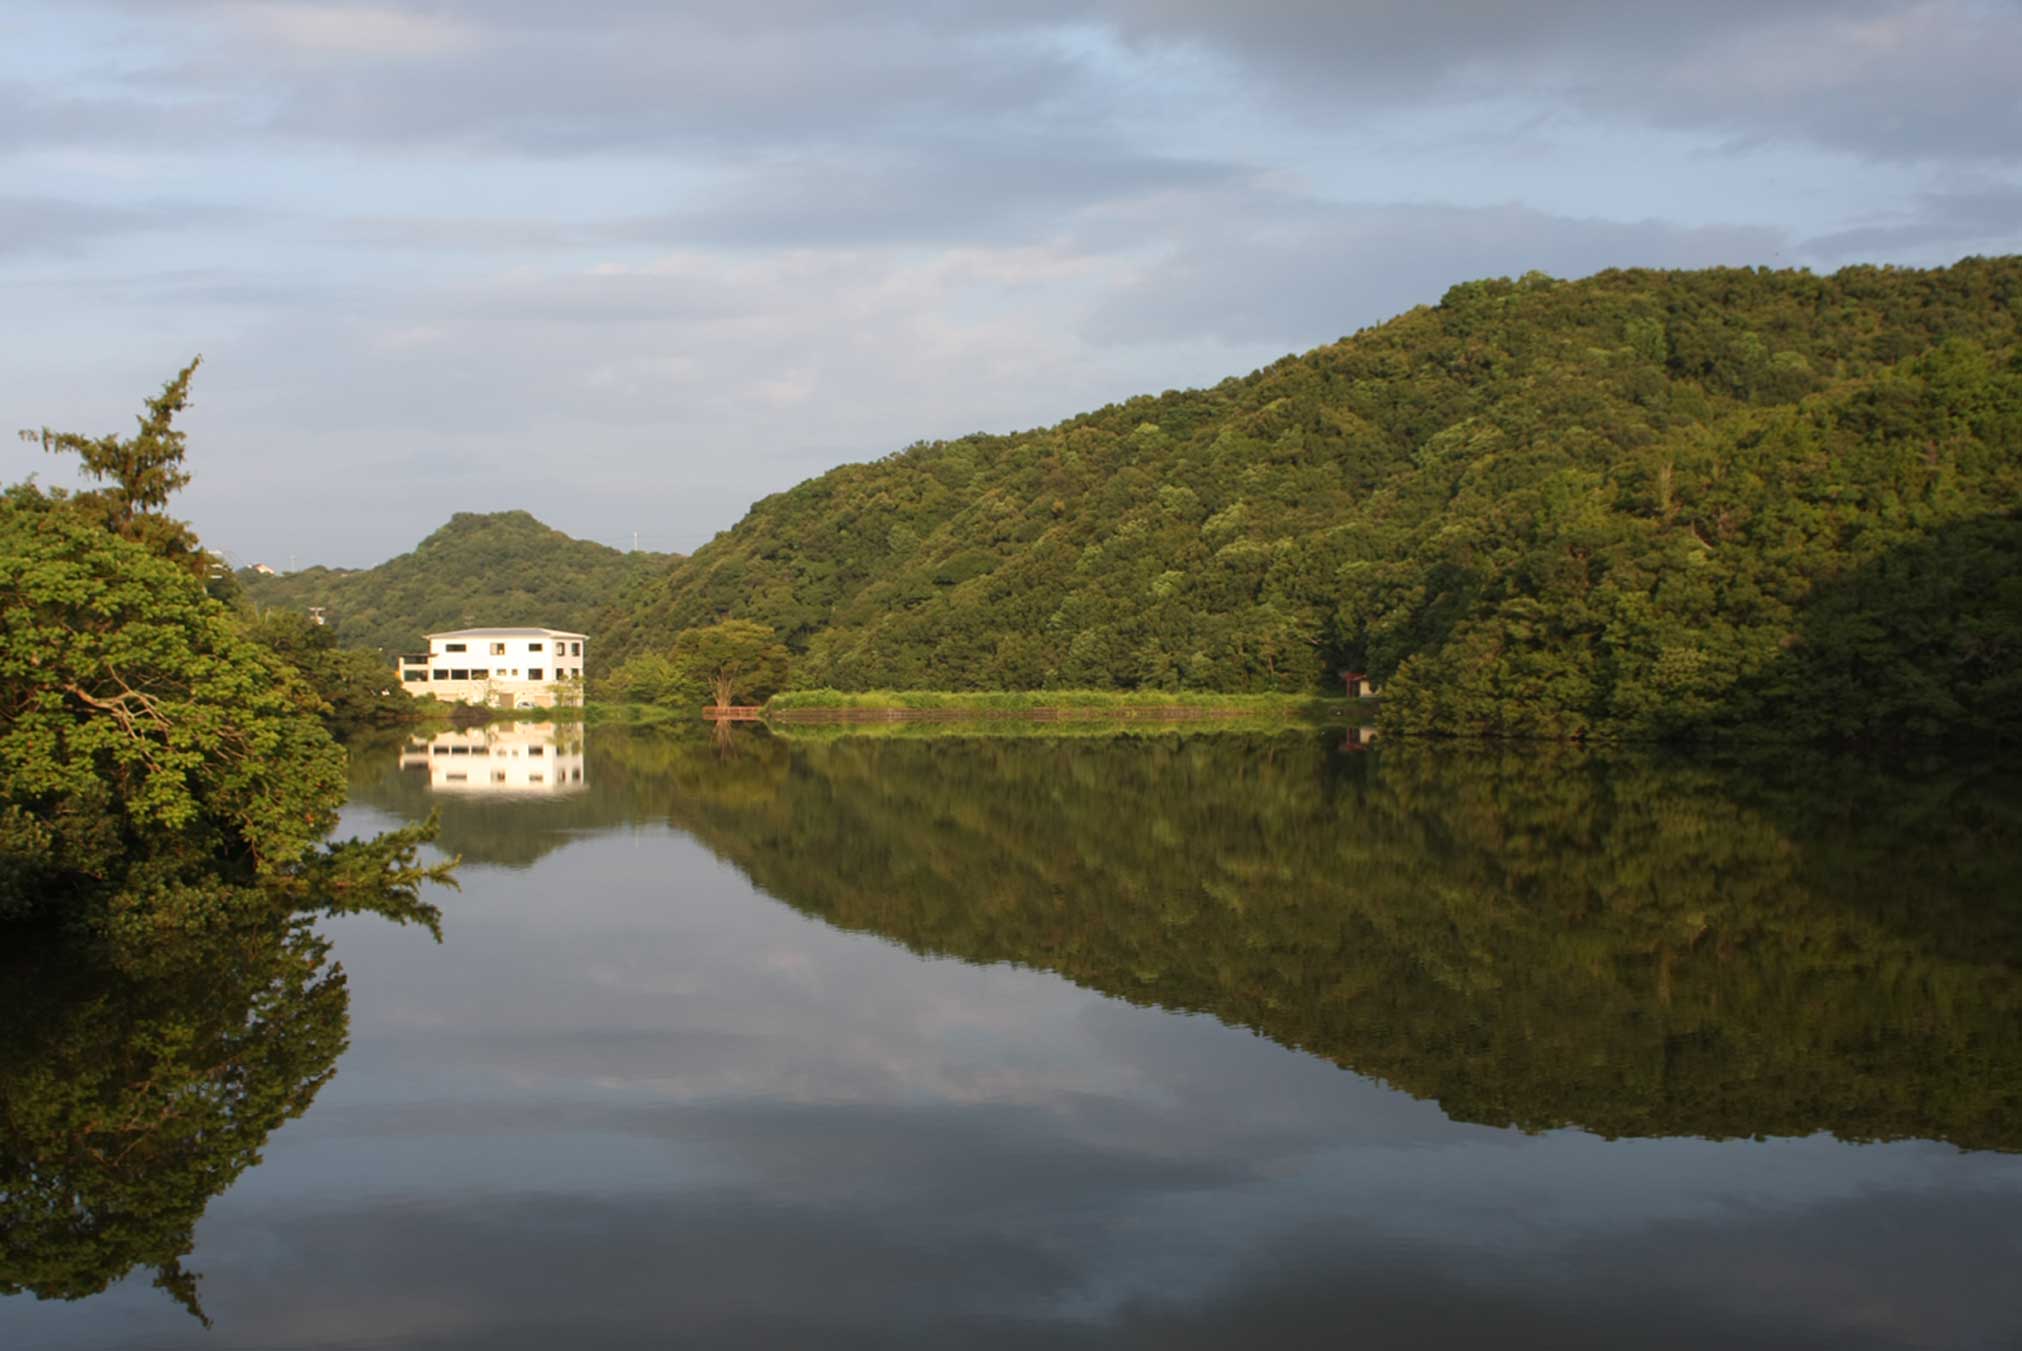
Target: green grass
{"x":630,"y":715}
{"x":1001,"y":702}
{"x":1012,"y":727}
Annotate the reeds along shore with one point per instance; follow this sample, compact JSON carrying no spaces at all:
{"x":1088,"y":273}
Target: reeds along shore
{"x":1130,"y":713}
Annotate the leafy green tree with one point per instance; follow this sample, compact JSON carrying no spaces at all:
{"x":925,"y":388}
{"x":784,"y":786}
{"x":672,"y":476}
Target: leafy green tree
{"x":733,"y":658}
{"x":153,"y":758}
{"x":648,"y":678}
{"x":141,"y":473}
{"x":360,"y":690}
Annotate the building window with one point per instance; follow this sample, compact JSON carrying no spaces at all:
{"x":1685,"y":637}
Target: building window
{"x":480,"y":673}
{"x":452,"y":647}
{"x":534,"y":672}
{"x":575,"y":649}
{"x":459,"y":675}
{"x":533,"y":647}
{"x":536,"y":750}
{"x":441,"y":673}
{"x":412,"y":676}
{"x":498,"y":649}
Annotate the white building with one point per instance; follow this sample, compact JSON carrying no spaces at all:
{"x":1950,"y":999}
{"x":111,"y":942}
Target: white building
{"x":505,"y":668}
{"x":520,"y":759}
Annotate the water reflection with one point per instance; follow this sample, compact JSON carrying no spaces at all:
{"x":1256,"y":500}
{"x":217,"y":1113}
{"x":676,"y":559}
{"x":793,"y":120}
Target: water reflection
{"x":132,"y":1094}
{"x":1537,"y":936}
{"x":681,"y":1073}
{"x":514,"y":759}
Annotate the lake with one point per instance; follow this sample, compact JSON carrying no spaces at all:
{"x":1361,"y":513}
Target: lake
{"x":1167,"y":1039}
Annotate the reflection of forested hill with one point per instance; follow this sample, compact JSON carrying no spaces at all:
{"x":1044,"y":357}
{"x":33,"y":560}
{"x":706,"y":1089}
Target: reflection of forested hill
{"x":1636,"y":947}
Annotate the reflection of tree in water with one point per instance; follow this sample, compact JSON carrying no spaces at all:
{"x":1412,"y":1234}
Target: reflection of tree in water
{"x":1539,"y":938}
{"x":133,"y":1089}
{"x":1531,"y":935}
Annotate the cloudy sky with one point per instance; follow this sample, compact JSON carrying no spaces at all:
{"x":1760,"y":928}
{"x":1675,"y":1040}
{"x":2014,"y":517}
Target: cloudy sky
{"x":630,"y":267}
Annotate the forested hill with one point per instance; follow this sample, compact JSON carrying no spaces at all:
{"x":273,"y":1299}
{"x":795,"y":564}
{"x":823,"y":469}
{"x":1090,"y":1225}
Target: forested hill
{"x":1646,"y":502}
{"x":502,"y":568}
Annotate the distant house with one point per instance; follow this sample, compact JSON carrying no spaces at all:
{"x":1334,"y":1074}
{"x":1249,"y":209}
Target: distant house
{"x":263,"y":570}
{"x":1359,"y":685}
{"x":505,"y":668}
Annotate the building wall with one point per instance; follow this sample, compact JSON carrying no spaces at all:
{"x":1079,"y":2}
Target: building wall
{"x":506,"y":672}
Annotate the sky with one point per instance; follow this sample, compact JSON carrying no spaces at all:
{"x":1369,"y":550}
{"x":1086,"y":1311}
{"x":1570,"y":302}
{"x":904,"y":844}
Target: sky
{"x":631,"y":265}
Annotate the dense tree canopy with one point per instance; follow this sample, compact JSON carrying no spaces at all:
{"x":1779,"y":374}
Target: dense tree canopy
{"x":359,"y":689}
{"x":1644,"y":503}
{"x":162,"y":768}
{"x":144,"y":739}
{"x":725,"y":663}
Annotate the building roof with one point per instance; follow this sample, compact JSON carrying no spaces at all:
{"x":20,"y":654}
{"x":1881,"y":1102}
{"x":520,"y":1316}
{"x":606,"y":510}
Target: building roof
{"x":507,"y":633}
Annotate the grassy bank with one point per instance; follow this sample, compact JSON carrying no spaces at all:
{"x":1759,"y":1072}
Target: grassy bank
{"x":631,"y":715}
{"x":1113,"y":704}
{"x":1017,"y":727}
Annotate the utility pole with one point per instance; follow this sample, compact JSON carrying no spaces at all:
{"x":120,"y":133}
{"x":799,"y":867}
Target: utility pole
{"x":635,"y":541}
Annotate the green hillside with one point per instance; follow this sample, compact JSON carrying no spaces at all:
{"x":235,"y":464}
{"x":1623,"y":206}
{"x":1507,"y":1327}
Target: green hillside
{"x":502,"y":568}
{"x":1646,"y":503}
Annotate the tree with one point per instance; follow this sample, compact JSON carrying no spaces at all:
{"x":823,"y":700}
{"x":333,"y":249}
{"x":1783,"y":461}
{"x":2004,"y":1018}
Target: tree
{"x":154,"y":760}
{"x":734,"y":657}
{"x":648,"y":678}
{"x":358,"y":687}
{"x":143,"y":471}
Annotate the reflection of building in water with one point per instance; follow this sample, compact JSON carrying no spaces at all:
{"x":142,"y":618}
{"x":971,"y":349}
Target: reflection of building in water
{"x":1358,"y":738}
{"x":523,"y":758}
{"x":506,"y":668}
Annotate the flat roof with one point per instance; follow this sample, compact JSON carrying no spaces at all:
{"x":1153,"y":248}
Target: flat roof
{"x":507,"y":633}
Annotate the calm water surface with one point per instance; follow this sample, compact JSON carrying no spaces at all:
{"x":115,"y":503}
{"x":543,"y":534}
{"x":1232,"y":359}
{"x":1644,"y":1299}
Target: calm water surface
{"x":1199,"y":1040}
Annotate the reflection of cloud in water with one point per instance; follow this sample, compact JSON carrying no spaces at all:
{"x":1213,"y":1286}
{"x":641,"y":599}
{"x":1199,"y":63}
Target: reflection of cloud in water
{"x":514,"y":759}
